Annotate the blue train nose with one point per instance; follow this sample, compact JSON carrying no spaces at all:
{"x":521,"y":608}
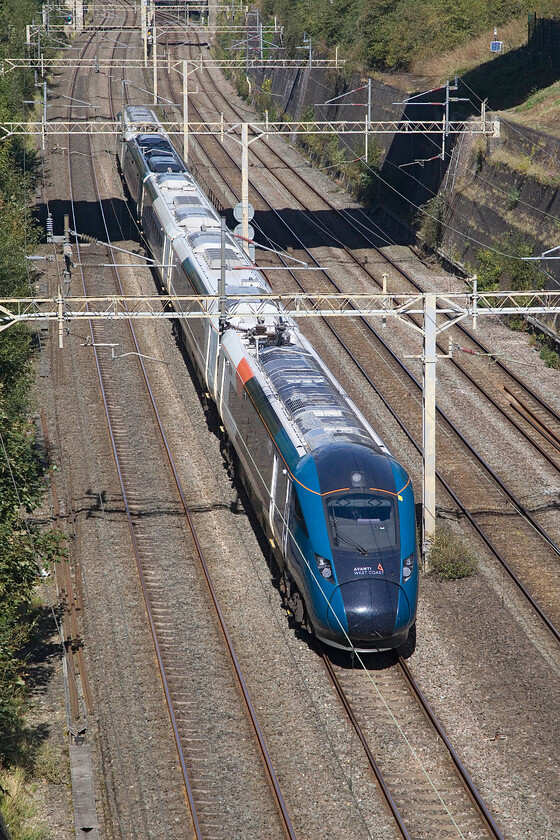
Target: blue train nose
{"x":371,"y":607}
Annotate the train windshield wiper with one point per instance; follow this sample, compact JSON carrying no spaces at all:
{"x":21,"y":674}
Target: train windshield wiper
{"x":343,"y":538}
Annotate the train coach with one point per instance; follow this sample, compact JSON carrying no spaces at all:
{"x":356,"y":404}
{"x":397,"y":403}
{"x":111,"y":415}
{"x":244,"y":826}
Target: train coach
{"x":335,"y":503}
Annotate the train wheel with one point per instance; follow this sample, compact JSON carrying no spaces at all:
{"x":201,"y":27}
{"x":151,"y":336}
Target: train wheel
{"x":292,"y":600}
{"x":228,"y":452}
{"x":298,"y":608}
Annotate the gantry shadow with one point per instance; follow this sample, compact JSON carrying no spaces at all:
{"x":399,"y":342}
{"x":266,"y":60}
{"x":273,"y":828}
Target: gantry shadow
{"x":111,"y":221}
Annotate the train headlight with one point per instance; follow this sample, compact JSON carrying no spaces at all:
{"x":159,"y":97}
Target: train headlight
{"x":408,"y":566}
{"x":324,"y":566}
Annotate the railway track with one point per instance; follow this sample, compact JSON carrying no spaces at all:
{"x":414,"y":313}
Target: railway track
{"x":341,"y":227}
{"x":170,"y":623}
{"x":424,"y":782}
{"x":465,"y":488}
{"x":206,"y":783}
{"x":454,"y":815}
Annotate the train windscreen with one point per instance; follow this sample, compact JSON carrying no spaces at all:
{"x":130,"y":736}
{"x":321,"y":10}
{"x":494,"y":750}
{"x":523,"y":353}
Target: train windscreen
{"x":362,"y":522}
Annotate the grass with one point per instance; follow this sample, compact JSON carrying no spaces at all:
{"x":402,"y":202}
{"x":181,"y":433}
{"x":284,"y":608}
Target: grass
{"x":51,"y":766}
{"x":540,"y":110}
{"x":17,"y":807}
{"x":474,"y":53}
{"x":527,"y":167}
{"x":450,"y":558}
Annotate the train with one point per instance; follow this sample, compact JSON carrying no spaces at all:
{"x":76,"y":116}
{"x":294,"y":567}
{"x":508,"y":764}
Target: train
{"x":335,"y":504}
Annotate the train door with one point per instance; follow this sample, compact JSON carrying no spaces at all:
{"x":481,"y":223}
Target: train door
{"x":272,"y":502}
{"x":278,"y":496}
{"x":166,"y":263}
{"x":211,"y":355}
{"x":286,"y":518}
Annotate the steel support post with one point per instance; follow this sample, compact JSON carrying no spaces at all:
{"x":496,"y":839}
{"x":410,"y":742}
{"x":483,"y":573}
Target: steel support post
{"x":185,"y":112}
{"x":245,"y":186}
{"x":60,"y":320}
{"x":44,"y":120}
{"x":144,"y":24}
{"x":123,"y":83}
{"x":429,"y":427}
{"x":222,"y":283}
{"x":144,"y":27}
{"x":368,"y":120}
{"x":154,"y":54}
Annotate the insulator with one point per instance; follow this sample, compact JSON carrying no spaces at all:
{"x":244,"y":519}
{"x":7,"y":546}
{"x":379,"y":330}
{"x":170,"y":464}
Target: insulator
{"x":50,"y":228}
{"x":85,"y":237}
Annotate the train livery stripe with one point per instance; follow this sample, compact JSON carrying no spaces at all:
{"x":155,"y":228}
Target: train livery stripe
{"x":374,"y":489}
{"x":244,"y":371}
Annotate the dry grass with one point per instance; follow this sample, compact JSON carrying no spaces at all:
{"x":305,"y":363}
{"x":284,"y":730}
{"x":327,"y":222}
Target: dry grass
{"x":445,"y":65}
{"x":18,"y":808}
{"x":541,"y":110}
{"x":450,"y":557}
{"x":524,"y":165}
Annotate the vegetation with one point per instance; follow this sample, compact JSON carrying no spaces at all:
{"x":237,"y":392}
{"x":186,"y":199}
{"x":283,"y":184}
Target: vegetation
{"x":450,"y":558}
{"x":550,"y":357}
{"x":432,"y":221}
{"x":18,"y":808}
{"x":505,"y":267}
{"x":25,"y":549}
{"x":392,"y":34}
{"x":524,"y":166}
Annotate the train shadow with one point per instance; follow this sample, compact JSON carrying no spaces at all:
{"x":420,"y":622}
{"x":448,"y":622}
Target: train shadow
{"x":375,"y":660}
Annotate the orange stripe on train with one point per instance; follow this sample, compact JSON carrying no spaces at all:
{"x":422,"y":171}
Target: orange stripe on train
{"x":244,"y":370}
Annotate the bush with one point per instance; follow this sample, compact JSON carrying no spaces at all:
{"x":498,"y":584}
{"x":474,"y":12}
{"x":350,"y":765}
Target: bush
{"x":388,"y":34}
{"x":504,"y":266}
{"x":550,"y":357}
{"x":513,"y":198}
{"x":450,"y":558}
{"x":431,"y":219}
{"x":518,"y":323}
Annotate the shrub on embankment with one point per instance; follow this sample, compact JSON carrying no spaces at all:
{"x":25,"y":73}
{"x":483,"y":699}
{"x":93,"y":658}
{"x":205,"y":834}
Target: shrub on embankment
{"x":24,"y":548}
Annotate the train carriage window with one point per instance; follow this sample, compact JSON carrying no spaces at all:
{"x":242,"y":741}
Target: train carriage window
{"x":298,"y":513}
{"x":280,"y":499}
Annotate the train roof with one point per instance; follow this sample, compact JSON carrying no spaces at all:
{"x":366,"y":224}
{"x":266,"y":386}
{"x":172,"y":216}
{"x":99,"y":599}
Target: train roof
{"x":316,"y":410}
{"x":320,"y":410}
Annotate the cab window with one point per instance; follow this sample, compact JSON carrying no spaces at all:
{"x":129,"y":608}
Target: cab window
{"x":298,"y":513}
{"x":363,"y":522}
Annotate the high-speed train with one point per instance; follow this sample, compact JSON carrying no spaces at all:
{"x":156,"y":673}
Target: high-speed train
{"x":336,"y":505}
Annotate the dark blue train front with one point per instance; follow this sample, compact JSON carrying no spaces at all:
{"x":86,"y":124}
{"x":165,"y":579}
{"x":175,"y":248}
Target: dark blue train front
{"x":354,"y":517}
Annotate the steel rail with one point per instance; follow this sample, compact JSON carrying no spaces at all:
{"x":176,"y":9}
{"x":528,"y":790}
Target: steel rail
{"x":465,"y":777}
{"x":488,"y":542}
{"x":237,"y":668}
{"x":72,"y":599}
{"x":72,"y":85}
{"x":432,"y":719}
{"x":360,"y":230}
{"x":390,"y":802}
{"x":516,"y":503}
{"x":128,"y":514}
